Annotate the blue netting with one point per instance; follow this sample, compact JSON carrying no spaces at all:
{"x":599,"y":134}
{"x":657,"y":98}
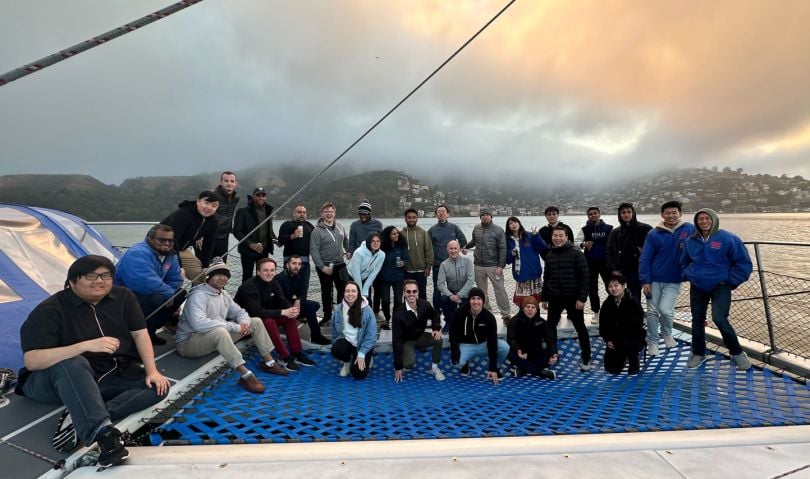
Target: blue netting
{"x":316,"y":404}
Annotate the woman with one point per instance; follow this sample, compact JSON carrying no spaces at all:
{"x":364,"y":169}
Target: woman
{"x":354,"y":330}
{"x":366,"y":262}
{"x":621,"y":325}
{"x":523,"y":251}
{"x":392,"y":273}
{"x":531,"y":342}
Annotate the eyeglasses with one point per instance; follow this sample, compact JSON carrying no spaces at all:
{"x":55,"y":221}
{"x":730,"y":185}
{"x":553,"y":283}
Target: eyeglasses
{"x":411,"y":291}
{"x":94,"y":276}
{"x":163,"y":240}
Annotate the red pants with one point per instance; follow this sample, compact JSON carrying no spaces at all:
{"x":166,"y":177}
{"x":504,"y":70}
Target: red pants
{"x":290,"y":327}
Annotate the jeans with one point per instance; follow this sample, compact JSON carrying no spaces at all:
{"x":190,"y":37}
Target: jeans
{"x":385,"y":288}
{"x":150,"y":302}
{"x":308,"y":311}
{"x":487,"y":273}
{"x":449,"y":308}
{"x":576,"y":316}
{"x":421,"y":281}
{"x":92,"y":405}
{"x":344,"y":351}
{"x":720,"y":298}
{"x":661,"y":309}
{"x":470,"y":351}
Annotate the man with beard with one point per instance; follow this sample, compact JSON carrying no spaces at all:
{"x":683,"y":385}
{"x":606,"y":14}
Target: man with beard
{"x":442,"y":233}
{"x":259,"y":244}
{"x":292,"y":285}
{"x":294,"y":236}
{"x":489,"y":241}
{"x":229,"y":200}
{"x":151,"y":270}
{"x":420,"y":252}
{"x":593,"y":239}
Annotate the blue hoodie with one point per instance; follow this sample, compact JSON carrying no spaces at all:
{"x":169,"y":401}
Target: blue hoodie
{"x":660,"y":260}
{"x":142,"y":271}
{"x":531,"y":247}
{"x":720,"y":258}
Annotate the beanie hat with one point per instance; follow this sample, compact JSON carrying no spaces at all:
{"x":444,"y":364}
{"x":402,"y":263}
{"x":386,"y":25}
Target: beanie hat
{"x":365,"y":207}
{"x":484,"y":211}
{"x":217,"y":268}
{"x":476,"y":291}
{"x":528,"y":300}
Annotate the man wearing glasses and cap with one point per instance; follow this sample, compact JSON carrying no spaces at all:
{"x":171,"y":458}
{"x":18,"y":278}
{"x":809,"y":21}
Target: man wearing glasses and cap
{"x":152,"y":271}
{"x":258,"y":244}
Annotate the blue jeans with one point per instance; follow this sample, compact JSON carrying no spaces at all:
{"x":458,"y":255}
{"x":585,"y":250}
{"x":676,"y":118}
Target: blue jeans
{"x":421,"y":281}
{"x":720,"y":298}
{"x":150,"y":302}
{"x":661,"y":309}
{"x":92,"y":405}
{"x":308,"y":310}
{"x":470,"y":351}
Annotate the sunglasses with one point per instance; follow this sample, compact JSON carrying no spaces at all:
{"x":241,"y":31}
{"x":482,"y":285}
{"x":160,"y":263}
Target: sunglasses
{"x":411,"y":291}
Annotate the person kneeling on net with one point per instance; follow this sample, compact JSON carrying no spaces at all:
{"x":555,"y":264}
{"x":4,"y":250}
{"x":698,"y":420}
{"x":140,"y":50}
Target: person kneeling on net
{"x":532,"y":345}
{"x":621,"y":325}
{"x":212,"y":321}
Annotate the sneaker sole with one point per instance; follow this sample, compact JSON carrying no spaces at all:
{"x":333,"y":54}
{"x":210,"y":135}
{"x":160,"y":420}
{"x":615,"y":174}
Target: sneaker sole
{"x":116,"y":462}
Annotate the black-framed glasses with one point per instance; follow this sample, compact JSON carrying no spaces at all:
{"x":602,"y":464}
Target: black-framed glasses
{"x":94,"y":276}
{"x":163,"y":240}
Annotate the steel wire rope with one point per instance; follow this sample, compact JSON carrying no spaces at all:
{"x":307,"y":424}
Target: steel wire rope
{"x":353,"y":144}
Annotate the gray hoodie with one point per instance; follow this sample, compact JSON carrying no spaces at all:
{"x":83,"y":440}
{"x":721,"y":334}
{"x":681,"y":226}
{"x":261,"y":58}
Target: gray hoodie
{"x":327,"y":244}
{"x":207,"y":308}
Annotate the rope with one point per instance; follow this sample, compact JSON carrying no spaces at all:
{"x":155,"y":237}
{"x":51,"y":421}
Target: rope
{"x":60,"y":464}
{"x":355,"y":142}
{"x":38,"y":65}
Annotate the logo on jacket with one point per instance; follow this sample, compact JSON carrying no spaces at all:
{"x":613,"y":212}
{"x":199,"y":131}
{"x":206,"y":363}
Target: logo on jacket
{"x":715,"y":244}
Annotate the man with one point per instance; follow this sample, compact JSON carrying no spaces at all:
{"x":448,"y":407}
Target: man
{"x":456,"y":279}
{"x":409,"y":333}
{"x":660,"y":273}
{"x":441,"y":234}
{"x":475,"y":333}
{"x":262,"y":297}
{"x":151,"y":270}
{"x":258,"y":244}
{"x":565,"y":287}
{"x":194,"y":226}
{"x":229,"y":200}
{"x":212,"y":321}
{"x":624,"y":248}
{"x":715,"y":262}
{"x":489,"y":241}
{"x":552,"y":214}
{"x":87,"y":347}
{"x":292,"y":285}
{"x":420,"y":252}
{"x":294,"y":236}
{"x":593,"y":239}
{"x":326,"y":246}
{"x":358,"y":232}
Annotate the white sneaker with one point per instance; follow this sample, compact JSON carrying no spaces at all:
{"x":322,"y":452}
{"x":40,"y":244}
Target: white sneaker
{"x":652,"y":349}
{"x":345,"y":370}
{"x":695,"y":361}
{"x":585,"y":367}
{"x":437,"y":373}
{"x":742,"y":361}
{"x":669,"y":342}
{"x":595,"y":318}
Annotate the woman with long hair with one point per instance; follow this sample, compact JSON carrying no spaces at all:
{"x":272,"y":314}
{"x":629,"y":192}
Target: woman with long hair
{"x":354,"y":330}
{"x":523,"y":249}
{"x":366,"y":262}
{"x":392,"y":273}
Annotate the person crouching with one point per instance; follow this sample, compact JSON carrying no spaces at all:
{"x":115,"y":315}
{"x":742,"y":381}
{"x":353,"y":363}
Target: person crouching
{"x":354,"y":329}
{"x":621,"y":325}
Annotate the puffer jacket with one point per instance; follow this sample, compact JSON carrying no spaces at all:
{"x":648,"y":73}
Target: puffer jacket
{"x":490,"y":245}
{"x":566,"y":275}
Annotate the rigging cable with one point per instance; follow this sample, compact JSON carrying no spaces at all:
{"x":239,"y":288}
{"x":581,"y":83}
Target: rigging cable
{"x":69,"y":52}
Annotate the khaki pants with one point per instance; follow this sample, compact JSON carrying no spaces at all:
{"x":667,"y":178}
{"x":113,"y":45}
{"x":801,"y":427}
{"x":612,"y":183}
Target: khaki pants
{"x":484,"y":273}
{"x":191,"y":266}
{"x":425,"y":341}
{"x":222,"y":341}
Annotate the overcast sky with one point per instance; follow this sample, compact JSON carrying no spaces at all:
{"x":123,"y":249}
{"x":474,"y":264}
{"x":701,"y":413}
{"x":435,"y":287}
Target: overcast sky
{"x":553,"y":90}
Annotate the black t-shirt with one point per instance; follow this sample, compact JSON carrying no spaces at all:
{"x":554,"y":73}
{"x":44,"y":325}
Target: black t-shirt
{"x":65,"y":319}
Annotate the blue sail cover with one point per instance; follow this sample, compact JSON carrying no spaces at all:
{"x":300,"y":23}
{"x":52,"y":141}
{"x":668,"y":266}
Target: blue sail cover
{"x":37,"y":245}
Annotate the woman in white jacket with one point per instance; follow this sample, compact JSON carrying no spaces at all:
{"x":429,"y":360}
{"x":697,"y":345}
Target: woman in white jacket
{"x":366,"y":262}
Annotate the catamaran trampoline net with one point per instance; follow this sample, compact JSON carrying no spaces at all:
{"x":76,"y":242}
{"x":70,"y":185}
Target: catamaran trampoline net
{"x":315,"y":404}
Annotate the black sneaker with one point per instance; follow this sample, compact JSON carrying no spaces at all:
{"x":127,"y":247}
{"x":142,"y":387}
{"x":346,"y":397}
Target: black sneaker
{"x":290,"y":364}
{"x":548,"y":374}
{"x":157,"y":340}
{"x":465,"y":370}
{"x":517,"y":372}
{"x":111,"y":446}
{"x":64,"y":439}
{"x":500,"y":376}
{"x":324,"y":321}
{"x":320,"y":341}
{"x":303,"y":360}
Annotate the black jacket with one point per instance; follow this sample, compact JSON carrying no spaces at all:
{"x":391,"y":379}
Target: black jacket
{"x":408,"y":326}
{"x":246,"y":221}
{"x":260,"y":298}
{"x":469,"y":330}
{"x":622,"y":323}
{"x":624,"y":246}
{"x":295,"y":246}
{"x":189,"y":226}
{"x":225,"y":211}
{"x":566,"y":274}
{"x":545,"y":233}
{"x":531,"y":336}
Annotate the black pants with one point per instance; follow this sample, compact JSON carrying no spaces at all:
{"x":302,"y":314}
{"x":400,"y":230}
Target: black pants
{"x":151,"y":302}
{"x":555,"y":308}
{"x":343,"y":350}
{"x":327,"y":282}
{"x":385,"y":288}
{"x":626,"y":350}
{"x":249,"y":263}
{"x":533,"y":364}
{"x":596,"y":269}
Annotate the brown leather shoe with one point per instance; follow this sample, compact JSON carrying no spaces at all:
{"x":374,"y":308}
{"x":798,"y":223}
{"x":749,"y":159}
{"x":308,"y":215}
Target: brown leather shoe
{"x":252,"y":384}
{"x":276,"y":368}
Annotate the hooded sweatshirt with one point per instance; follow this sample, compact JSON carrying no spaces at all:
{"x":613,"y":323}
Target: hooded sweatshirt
{"x":365,"y":265}
{"x":469,"y":329}
{"x":207,"y":308}
{"x":189,"y":226}
{"x":364,"y":337}
{"x":624,"y":245}
{"x":719,"y":258}
{"x":660,"y":260}
{"x":327,"y":243}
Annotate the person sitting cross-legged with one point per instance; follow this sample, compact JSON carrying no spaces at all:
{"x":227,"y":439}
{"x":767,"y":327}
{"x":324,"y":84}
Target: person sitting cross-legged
{"x":409,"y":334}
{"x":212,"y":321}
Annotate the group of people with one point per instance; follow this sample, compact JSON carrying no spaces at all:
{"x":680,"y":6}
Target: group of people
{"x":90,"y":346}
